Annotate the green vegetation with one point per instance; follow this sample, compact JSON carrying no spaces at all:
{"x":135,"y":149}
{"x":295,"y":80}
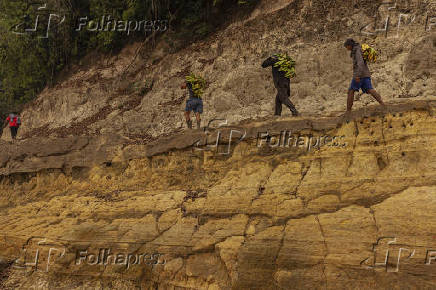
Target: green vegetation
{"x":29,"y":61}
{"x":286,"y":64}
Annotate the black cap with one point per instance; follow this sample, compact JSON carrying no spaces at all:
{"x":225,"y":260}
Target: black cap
{"x":349,"y":42}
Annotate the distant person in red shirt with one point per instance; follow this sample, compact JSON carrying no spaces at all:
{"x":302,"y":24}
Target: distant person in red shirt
{"x":14,"y":123}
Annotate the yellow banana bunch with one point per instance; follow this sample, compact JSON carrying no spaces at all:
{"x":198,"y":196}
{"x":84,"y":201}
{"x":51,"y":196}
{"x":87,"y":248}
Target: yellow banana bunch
{"x":369,"y":53}
{"x":286,"y":64}
{"x":198,"y":84}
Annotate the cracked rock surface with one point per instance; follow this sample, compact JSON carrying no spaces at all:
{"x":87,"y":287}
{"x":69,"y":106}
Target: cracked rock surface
{"x":259,"y":218}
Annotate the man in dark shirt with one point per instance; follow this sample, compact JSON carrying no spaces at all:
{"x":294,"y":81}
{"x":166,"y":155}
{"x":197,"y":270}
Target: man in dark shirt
{"x":282,"y":84}
{"x":361,"y":75}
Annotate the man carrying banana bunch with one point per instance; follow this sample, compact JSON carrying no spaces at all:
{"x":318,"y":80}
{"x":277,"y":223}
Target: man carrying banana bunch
{"x":361,"y":73}
{"x":283,"y":68}
{"x":196,"y":86}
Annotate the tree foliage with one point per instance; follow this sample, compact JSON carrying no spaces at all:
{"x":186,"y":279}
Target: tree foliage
{"x":29,"y":61}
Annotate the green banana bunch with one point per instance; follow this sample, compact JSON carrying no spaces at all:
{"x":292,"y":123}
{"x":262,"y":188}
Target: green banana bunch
{"x":286,"y":64}
{"x":198,"y":84}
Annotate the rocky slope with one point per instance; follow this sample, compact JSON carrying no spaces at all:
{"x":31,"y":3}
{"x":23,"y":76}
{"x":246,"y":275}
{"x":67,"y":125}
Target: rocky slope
{"x":260,"y":217}
{"x":100,"y":97}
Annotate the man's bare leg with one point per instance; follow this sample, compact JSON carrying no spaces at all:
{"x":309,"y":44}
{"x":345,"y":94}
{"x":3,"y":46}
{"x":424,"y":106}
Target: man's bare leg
{"x":198,"y":117}
{"x":188,"y":119}
{"x":376,"y":96}
{"x":350,"y":100}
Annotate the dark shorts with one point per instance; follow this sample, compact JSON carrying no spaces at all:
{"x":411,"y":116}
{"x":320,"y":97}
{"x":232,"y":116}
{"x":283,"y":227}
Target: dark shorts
{"x":364,"y":84}
{"x":14,"y":132}
{"x":194,"y":104}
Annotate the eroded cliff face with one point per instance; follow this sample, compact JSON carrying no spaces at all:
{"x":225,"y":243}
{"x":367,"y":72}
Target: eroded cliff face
{"x":188,"y":216}
{"x":105,"y":190}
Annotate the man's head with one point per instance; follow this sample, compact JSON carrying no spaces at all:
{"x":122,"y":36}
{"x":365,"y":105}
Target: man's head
{"x":349,"y":43}
{"x":183,"y":86}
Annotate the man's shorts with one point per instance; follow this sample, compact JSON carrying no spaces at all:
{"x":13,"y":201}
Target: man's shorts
{"x":364,"y":84}
{"x":14,"y":132}
{"x":194,"y":104}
